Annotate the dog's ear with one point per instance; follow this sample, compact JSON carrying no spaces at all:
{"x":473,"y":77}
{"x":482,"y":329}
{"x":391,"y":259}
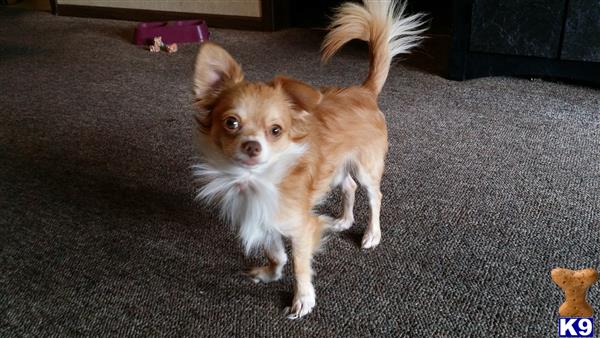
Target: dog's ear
{"x":215,"y":71}
{"x":304,"y":98}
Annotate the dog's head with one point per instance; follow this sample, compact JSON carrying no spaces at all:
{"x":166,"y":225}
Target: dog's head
{"x":249,"y":123}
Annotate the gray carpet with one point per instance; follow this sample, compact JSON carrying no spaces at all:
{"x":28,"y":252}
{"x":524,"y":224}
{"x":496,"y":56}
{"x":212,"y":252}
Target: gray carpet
{"x":490,"y":183}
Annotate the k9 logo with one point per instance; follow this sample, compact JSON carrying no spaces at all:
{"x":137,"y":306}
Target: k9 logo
{"x":575,"y":327}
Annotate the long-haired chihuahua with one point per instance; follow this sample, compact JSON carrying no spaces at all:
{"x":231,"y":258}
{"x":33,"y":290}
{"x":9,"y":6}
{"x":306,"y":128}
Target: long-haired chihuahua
{"x":270,"y":152}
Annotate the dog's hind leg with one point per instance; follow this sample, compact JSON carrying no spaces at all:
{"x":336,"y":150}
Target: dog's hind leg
{"x":369,"y":173}
{"x":349,"y":192}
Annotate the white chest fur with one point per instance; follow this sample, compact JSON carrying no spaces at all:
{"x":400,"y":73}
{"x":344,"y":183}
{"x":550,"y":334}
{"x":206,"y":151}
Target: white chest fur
{"x":248,"y":198}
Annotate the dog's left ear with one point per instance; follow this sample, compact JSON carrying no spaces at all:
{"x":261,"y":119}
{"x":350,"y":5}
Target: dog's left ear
{"x":305,"y":99}
{"x":302,"y":95}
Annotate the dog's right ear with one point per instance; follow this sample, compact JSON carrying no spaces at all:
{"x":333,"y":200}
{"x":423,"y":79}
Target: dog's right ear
{"x":215,"y":71}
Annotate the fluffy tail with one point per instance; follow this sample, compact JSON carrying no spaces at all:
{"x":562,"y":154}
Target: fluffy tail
{"x":383,"y":25}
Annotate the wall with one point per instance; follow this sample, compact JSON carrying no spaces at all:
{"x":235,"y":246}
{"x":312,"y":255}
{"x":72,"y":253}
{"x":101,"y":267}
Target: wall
{"x":249,"y":8}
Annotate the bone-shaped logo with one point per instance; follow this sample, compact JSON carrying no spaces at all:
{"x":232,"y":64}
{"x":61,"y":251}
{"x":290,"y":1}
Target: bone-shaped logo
{"x":575,"y":284}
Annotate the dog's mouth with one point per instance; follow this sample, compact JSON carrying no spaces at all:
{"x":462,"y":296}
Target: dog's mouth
{"x":250,"y":162}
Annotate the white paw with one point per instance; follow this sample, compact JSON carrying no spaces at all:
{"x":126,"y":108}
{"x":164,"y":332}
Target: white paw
{"x":371,"y":239}
{"x":341,"y":224}
{"x":263,"y":274}
{"x":301,"y":306}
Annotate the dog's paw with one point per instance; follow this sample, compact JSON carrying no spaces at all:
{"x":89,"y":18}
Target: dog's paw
{"x":265,"y":274}
{"x":301,"y":306}
{"x":341,"y":224}
{"x":371,"y":239}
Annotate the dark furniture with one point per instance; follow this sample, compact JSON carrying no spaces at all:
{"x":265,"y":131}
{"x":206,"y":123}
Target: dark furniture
{"x":273,"y":15}
{"x":537,"y":38}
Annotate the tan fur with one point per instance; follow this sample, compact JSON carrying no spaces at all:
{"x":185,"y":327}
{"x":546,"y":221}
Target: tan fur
{"x":352,"y":22}
{"x":339,"y":126}
{"x":383,"y":25}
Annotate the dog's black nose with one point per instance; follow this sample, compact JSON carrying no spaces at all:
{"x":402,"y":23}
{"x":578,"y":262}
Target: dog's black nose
{"x":251,"y":148}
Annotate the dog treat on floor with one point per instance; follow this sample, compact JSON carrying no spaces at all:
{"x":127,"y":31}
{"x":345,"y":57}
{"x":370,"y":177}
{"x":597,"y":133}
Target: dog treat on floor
{"x":157,"y":46}
{"x":172,"y":48}
{"x":575,"y":284}
{"x":160,"y":45}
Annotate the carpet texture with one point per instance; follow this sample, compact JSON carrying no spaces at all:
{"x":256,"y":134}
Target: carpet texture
{"x":490,"y":184}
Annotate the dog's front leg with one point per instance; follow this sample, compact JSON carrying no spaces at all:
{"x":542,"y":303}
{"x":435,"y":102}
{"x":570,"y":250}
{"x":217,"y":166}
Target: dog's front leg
{"x":275,"y":252}
{"x":303,"y":246}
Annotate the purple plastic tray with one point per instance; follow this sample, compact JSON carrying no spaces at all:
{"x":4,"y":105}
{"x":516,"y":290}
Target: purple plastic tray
{"x":171,"y":31}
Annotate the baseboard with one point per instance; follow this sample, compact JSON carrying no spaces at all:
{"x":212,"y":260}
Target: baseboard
{"x":216,"y":21}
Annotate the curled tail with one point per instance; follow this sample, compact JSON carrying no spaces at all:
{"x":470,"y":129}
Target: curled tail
{"x":383,"y":25}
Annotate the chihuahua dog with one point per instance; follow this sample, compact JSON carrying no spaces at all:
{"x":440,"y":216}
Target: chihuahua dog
{"x":270,"y":152}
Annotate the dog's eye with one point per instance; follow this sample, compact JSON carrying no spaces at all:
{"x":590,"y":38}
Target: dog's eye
{"x":232,"y":124}
{"x":275,"y":130}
